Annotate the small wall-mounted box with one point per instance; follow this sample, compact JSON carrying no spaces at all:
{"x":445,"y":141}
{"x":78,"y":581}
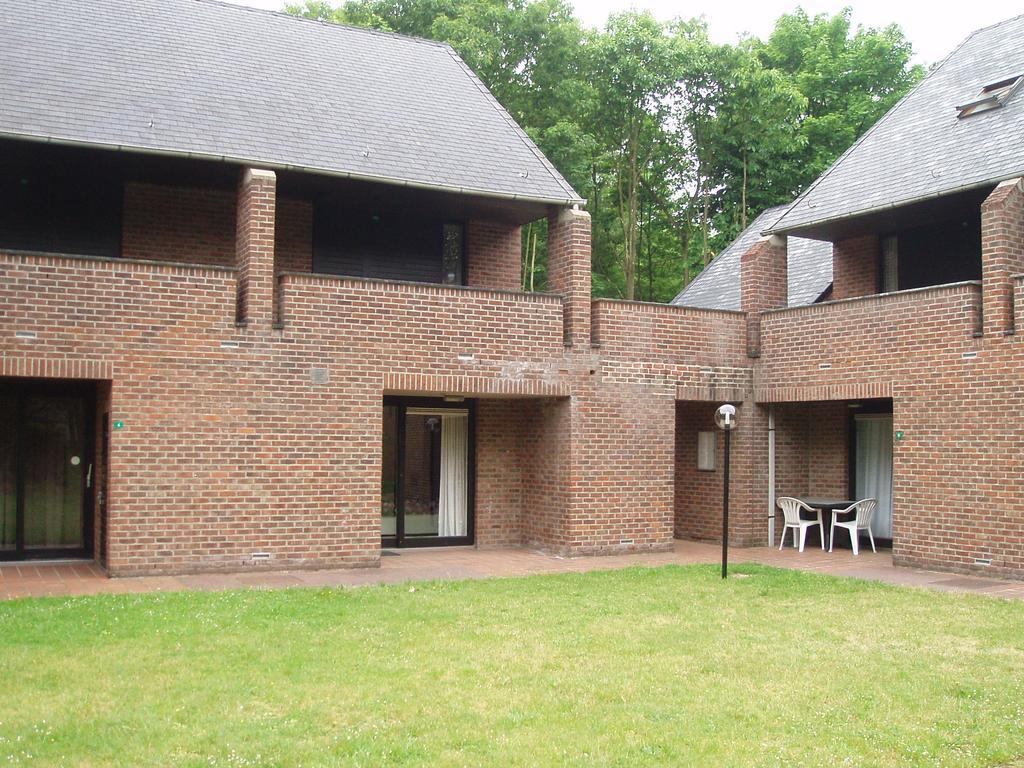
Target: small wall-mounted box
{"x":707,"y":444}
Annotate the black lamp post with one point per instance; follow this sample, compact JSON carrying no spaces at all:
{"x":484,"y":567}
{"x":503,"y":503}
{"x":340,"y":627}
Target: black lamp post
{"x":725,"y":418}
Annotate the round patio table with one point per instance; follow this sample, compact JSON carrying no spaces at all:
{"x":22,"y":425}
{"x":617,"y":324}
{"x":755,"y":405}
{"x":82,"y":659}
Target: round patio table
{"x":828,"y":506}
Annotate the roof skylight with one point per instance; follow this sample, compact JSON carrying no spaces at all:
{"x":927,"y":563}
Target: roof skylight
{"x":991,"y":97}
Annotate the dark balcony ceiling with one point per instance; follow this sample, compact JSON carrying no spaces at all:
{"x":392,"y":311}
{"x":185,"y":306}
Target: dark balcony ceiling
{"x":921,"y":149}
{"x":97,"y":166}
{"x":208,"y":80}
{"x":961,"y":205}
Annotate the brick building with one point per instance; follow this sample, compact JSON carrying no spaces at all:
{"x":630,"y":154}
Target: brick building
{"x":893,"y":368}
{"x":260,"y":307}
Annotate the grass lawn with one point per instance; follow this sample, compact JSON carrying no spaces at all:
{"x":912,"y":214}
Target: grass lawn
{"x":665,"y":666}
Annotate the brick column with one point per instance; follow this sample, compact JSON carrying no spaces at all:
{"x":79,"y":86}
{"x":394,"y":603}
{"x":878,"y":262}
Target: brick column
{"x":763,"y":285}
{"x":855,"y":267}
{"x":1002,"y":254}
{"x":569,"y":271}
{"x":254,"y":246}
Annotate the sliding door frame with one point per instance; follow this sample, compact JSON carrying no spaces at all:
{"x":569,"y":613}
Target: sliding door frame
{"x":402,"y":405}
{"x":881,"y":407}
{"x":21,"y":390}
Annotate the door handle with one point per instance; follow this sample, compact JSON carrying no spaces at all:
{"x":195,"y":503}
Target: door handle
{"x":88,"y":477}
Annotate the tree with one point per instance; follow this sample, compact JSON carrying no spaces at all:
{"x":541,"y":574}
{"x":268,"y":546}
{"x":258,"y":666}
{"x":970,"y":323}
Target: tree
{"x":848,"y":80}
{"x":636,"y":63}
{"x":677,"y":142}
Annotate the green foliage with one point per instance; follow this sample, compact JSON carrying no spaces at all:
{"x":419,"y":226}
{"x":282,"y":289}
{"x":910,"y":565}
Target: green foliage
{"x":676,"y":142}
{"x":850,"y":78}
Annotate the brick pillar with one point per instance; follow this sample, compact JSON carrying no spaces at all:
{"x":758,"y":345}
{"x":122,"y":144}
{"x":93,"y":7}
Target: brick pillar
{"x":855,"y":267}
{"x":1002,"y":254}
{"x":254,"y":246}
{"x":569,"y":271}
{"x":763,"y":285}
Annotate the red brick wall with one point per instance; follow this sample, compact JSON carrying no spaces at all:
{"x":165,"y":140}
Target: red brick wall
{"x":920,"y":348}
{"x":1002,"y":235}
{"x":763,"y":285}
{"x":569,"y":271}
{"x":494,"y":255}
{"x":293,"y":236}
{"x":1018,"y":301}
{"x":828,"y":465}
{"x":255,"y":221}
{"x":229,"y":448}
{"x":499,"y":471}
{"x":183,"y":224}
{"x":698,"y":506}
{"x":648,"y":352}
{"x":698,"y":493}
{"x":792,"y":456}
{"x":857,"y":348}
{"x":547,"y":473}
{"x":855,"y":267}
{"x":196,"y":225}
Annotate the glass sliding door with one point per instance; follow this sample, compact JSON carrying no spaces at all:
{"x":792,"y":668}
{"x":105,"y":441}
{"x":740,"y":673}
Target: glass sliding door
{"x":8,"y":472}
{"x":873,"y":471}
{"x":46,"y":469}
{"x":389,"y":475}
{"x":427,"y":460}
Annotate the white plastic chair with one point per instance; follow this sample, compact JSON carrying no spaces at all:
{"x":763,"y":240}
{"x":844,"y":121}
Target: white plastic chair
{"x":863,"y":511}
{"x":791,"y":511}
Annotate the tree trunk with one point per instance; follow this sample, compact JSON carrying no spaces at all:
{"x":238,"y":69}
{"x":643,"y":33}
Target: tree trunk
{"x":704,"y":232}
{"x":524,"y":274}
{"x":630,"y":211}
{"x":533,"y":260}
{"x":743,"y":202}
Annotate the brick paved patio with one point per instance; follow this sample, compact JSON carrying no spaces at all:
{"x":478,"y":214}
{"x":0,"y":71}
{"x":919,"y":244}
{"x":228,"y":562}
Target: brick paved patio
{"x":84,"y":578}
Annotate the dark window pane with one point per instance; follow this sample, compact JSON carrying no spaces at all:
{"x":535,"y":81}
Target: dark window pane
{"x":58,"y":202}
{"x":8,"y":477}
{"x":452,"y":255}
{"x":389,"y":476}
{"x":949,"y":252}
{"x":55,"y":466}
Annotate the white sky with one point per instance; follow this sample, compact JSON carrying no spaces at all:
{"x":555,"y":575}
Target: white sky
{"x":934,"y":28}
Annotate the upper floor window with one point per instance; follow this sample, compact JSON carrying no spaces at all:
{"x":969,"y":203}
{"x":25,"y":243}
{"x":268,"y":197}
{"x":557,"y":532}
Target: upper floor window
{"x":52,"y":203}
{"x":387,"y":244}
{"x":935,"y":254}
{"x":991,"y":97}
{"x":452,"y":255}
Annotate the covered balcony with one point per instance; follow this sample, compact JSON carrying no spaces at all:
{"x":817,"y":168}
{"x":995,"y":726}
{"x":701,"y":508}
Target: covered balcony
{"x":309,"y":254}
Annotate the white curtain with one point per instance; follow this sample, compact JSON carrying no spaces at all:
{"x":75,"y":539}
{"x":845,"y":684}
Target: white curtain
{"x":874,"y":469}
{"x":452,"y":514}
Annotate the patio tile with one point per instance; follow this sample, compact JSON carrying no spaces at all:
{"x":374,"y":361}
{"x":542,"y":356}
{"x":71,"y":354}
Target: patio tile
{"x":79,"y":578}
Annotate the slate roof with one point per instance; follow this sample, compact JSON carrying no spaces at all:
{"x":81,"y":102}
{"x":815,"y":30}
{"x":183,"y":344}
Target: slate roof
{"x":920,"y":148}
{"x":718,"y":285}
{"x":204,"y":78}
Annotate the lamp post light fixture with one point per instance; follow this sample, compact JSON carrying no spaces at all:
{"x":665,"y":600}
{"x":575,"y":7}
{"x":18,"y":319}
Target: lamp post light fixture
{"x":725,"y":419}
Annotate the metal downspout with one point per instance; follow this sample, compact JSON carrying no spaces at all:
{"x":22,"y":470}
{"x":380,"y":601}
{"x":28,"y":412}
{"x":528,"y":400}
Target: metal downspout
{"x":771,"y":475}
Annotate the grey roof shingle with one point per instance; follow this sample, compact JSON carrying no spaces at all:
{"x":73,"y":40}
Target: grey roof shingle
{"x":215,"y":80}
{"x":920,"y":148}
{"x":718,"y":285}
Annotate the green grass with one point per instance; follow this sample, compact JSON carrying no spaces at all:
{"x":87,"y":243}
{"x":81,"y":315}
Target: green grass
{"x":666,"y":666}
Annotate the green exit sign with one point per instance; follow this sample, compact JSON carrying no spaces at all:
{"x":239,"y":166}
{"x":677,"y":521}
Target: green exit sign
{"x":118,"y":424}
{"x":899,"y":434}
